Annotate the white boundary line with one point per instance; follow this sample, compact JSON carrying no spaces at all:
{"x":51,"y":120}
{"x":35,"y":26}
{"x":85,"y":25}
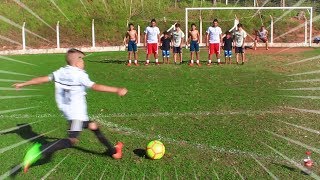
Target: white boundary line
{"x":304,"y":110}
{"x":160,"y":114}
{"x":54,"y":168}
{"x":129,"y":131}
{"x":301,"y":127}
{"x":11,"y":171}
{"x":237,"y":171}
{"x":266,"y":169}
{"x":302,"y":168}
{"x":81,"y":171}
{"x":7,"y":148}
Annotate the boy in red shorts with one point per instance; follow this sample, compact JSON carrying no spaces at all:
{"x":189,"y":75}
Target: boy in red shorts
{"x":151,"y":41}
{"x":214,"y":36}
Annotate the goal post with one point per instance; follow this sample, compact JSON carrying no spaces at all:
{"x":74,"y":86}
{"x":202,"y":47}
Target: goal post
{"x":309,"y":9}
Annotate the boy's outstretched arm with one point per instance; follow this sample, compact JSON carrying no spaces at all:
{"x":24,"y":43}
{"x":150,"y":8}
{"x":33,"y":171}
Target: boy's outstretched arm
{"x":103,"y":88}
{"x":34,"y":81}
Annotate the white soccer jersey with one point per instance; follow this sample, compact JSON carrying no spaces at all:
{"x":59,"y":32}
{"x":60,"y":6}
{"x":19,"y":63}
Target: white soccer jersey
{"x":214,"y":34}
{"x":70,"y":91}
{"x":177,"y":37}
{"x":263,"y":34}
{"x":152,"y":34}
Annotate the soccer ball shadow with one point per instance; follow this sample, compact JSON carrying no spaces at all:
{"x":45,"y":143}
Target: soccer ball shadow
{"x":141,"y":153}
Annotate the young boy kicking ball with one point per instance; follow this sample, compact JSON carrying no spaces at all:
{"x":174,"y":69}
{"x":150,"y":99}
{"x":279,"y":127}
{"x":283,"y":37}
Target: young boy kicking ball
{"x":71,"y":83}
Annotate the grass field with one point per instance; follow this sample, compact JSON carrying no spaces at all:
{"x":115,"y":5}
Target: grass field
{"x":213,"y":120}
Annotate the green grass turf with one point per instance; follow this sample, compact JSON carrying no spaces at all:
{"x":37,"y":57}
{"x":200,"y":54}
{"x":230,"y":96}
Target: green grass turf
{"x":211,"y":119}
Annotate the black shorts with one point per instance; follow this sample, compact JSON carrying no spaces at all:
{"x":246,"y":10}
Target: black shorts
{"x":76,"y":126}
{"x":176,"y":50}
{"x":264,"y":40}
{"x":239,"y":50}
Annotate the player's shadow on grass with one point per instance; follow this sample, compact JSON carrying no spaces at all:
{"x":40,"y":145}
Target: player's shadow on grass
{"x":140,"y":62}
{"x":25,"y":131}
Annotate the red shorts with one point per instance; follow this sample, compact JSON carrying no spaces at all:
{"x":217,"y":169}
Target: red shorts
{"x":152,"y":48}
{"x":214,"y":48}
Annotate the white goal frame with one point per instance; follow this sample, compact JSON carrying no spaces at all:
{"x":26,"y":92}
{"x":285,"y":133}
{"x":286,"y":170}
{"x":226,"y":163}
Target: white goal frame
{"x":310,"y":9}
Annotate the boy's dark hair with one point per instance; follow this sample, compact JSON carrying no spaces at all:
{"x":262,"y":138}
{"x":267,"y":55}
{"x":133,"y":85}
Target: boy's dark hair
{"x":166,"y":33}
{"x":177,"y":25}
{"x":74,"y":50}
{"x":153,"y":20}
{"x":131,"y":24}
{"x":193,"y":24}
{"x":239,"y":25}
{"x":228,"y":33}
{"x":215,"y":20}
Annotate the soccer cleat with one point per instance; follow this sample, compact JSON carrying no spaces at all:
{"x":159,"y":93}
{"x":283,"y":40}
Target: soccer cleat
{"x":129,"y":64}
{"x":146,"y":64}
{"x":198,"y":64}
{"x":157,"y":63}
{"x":209,"y":64}
{"x":136,"y":64}
{"x":33,"y":154}
{"x":191,"y":64}
{"x":118,"y":154}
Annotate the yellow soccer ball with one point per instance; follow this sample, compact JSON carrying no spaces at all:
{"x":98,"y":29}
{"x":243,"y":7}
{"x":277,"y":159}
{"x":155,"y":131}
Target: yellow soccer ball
{"x":155,"y":149}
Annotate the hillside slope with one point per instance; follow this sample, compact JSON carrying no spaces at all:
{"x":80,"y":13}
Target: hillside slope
{"x":111,"y":17}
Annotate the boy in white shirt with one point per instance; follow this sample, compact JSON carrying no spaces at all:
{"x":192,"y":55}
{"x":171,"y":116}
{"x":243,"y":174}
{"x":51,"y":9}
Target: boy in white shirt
{"x":71,"y":83}
{"x":261,"y":35}
{"x":214,"y":36}
{"x":177,"y":38}
{"x":239,"y":39}
{"x":151,"y":41}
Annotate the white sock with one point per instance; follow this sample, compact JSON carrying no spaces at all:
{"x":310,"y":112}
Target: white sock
{"x":136,"y":61}
{"x":129,"y":61}
{"x":156,"y":60}
{"x":148,"y":61}
{"x":218,"y":60}
{"x":191,"y":61}
{"x":209,"y":61}
{"x":198,"y":61}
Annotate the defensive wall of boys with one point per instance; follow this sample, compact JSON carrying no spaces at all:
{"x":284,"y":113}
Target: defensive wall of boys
{"x":123,"y":48}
